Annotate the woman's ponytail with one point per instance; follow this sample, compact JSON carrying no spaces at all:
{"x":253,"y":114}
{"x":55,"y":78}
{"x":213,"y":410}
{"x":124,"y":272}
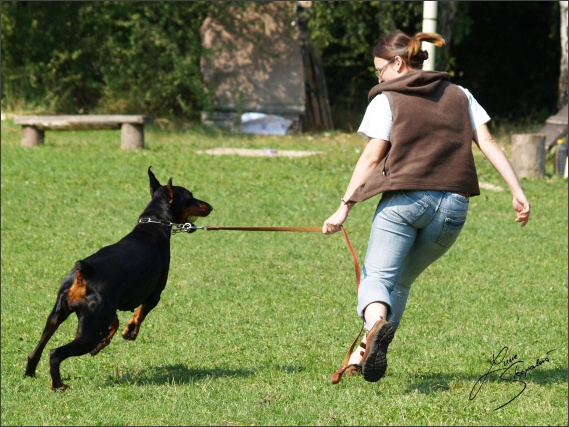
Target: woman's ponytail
{"x":416,"y":56}
{"x":409,"y":48}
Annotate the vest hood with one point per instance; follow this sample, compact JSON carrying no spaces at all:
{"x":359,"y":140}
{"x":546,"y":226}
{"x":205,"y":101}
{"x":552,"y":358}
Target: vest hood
{"x":421,"y":83}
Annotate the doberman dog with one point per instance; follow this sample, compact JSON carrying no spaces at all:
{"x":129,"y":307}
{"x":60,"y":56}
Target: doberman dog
{"x":123,"y":276}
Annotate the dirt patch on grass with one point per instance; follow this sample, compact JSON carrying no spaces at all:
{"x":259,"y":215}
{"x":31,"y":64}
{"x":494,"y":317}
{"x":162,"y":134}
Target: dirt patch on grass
{"x":491,"y":187}
{"x":264,"y":152}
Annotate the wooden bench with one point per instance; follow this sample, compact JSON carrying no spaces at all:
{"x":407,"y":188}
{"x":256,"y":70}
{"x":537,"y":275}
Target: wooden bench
{"x":131,"y":126}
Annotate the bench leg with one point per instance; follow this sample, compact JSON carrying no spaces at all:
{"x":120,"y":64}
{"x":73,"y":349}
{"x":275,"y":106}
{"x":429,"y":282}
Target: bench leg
{"x":32,"y":136}
{"x":132,"y":136}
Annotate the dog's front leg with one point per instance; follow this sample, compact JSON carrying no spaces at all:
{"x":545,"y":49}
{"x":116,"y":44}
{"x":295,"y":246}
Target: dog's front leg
{"x":133,"y":326}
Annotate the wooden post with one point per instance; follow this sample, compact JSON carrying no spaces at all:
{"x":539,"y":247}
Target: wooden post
{"x":132,"y":136}
{"x":32,"y":136}
{"x":528,"y":155}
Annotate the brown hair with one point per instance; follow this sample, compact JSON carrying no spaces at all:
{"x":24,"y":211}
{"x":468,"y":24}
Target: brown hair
{"x":408,"y":48}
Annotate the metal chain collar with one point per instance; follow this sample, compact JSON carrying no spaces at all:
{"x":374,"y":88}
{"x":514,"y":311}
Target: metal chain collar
{"x":187,"y":227}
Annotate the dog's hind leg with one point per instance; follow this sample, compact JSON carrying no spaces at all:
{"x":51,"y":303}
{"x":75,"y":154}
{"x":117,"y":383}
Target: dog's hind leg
{"x":113,"y":327}
{"x":90,"y":330}
{"x":57,"y":316}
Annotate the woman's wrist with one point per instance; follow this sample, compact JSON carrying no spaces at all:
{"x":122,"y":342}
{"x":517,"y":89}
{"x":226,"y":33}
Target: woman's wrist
{"x":349,"y":204}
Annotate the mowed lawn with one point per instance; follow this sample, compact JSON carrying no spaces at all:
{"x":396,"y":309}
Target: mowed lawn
{"x":252,"y":324}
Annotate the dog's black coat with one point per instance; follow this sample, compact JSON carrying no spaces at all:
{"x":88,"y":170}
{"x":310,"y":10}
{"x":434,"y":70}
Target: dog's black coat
{"x":128,"y":274}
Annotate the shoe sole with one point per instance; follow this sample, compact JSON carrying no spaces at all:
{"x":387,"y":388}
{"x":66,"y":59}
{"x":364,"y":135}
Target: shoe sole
{"x":375,"y":365}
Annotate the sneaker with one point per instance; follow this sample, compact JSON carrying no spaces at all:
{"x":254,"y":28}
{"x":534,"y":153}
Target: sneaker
{"x":374,"y":362}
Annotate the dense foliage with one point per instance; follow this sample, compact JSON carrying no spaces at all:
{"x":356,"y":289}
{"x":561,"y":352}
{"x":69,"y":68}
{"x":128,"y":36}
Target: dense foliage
{"x":88,"y":57}
{"x":108,"y":56}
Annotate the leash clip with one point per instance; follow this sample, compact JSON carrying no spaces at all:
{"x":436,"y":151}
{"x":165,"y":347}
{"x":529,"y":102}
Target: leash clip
{"x":188,"y":227}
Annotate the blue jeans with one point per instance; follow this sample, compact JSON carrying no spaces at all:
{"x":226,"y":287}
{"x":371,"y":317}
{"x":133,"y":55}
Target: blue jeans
{"x":410,"y":231}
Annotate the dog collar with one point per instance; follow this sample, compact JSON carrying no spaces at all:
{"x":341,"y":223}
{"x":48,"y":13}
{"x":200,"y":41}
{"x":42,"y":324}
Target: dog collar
{"x":187,"y":227}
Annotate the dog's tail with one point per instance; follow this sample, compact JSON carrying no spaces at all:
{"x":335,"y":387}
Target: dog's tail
{"x":84,"y":267}
{"x":78,"y":289}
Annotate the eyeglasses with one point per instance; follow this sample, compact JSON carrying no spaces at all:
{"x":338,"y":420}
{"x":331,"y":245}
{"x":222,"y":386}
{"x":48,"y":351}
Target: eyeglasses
{"x":382,"y":69}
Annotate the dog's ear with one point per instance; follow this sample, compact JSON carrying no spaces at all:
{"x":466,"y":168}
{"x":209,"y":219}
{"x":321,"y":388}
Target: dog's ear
{"x":170,"y":191}
{"x":154,"y":184}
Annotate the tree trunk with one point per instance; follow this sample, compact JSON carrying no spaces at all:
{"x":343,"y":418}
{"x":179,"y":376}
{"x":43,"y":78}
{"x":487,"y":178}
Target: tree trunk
{"x":562,"y":100}
{"x":528,"y":155}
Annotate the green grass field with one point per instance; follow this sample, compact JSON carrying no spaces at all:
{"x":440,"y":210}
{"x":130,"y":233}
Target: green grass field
{"x":251,"y":325}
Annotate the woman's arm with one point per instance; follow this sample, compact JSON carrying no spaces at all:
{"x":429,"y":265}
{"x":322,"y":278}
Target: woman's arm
{"x":498,"y":159}
{"x":373,"y":153}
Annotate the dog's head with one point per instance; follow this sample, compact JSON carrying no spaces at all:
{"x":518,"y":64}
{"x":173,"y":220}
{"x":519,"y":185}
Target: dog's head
{"x":183,"y":205}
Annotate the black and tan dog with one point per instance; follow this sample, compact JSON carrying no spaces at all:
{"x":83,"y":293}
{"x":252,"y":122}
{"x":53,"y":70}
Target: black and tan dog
{"x":128,"y":274}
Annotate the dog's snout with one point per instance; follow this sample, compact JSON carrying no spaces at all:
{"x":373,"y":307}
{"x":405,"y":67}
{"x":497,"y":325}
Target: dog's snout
{"x":199,"y":208}
{"x":206,"y":207}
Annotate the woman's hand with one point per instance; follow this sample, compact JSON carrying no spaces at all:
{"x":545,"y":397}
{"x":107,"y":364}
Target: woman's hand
{"x":499,"y":160}
{"x":374,"y":151}
{"x":334,"y":223}
{"x":522,"y":208}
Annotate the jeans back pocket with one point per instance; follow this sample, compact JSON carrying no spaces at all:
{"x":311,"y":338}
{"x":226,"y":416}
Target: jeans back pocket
{"x":451,"y":230}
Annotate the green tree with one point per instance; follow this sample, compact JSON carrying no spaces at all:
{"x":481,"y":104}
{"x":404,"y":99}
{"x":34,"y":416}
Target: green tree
{"x":150,"y":56}
{"x":46,"y":65}
{"x":126,"y":57}
{"x":344,"y":33}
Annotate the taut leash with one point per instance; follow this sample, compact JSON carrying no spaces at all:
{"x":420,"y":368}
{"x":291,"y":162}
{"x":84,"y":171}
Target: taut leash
{"x":244,"y":228}
{"x":190,"y":228}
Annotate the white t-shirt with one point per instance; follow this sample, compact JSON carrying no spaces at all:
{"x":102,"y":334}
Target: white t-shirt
{"x":378,"y":119}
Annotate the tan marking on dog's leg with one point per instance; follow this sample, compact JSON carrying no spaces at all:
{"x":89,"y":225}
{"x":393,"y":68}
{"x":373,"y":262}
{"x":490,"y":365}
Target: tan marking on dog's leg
{"x":133,"y":326}
{"x":113,"y":327}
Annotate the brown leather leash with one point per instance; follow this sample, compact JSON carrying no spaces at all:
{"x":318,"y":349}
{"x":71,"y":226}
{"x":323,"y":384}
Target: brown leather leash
{"x":336,"y":376}
{"x":244,"y":228}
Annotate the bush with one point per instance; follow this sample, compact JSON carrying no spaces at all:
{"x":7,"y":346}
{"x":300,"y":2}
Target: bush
{"x":123,"y":57}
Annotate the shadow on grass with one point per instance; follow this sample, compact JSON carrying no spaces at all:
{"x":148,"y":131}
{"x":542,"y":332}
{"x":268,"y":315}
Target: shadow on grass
{"x":433,"y":383}
{"x":173,"y":374}
{"x":180,"y":374}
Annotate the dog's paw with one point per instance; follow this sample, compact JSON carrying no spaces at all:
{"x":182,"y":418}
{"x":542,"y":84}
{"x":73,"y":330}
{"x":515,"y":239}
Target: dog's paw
{"x":60,"y":386}
{"x":130,"y":332}
{"x":100,"y":346}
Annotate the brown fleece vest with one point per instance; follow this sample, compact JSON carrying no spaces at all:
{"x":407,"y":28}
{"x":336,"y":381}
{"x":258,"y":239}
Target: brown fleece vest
{"x":431,"y":138}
